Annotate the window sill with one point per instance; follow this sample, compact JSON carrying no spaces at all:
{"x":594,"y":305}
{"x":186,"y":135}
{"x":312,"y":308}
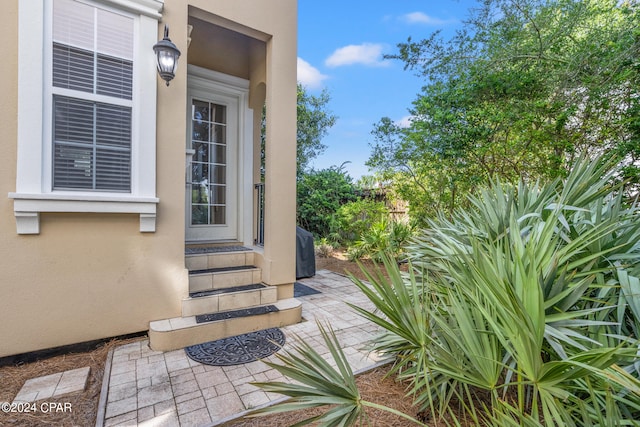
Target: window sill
{"x":27,"y":208}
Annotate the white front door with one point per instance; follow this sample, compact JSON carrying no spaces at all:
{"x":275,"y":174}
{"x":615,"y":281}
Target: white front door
{"x":212,"y":181}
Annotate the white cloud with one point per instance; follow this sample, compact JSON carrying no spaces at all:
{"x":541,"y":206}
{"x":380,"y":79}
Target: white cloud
{"x":404,"y":122}
{"x":423,"y":18}
{"x":366,"y":54}
{"x":309,"y":76}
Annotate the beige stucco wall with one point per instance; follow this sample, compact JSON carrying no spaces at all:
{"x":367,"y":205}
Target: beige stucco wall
{"x":85,"y":276}
{"x":90,"y":276}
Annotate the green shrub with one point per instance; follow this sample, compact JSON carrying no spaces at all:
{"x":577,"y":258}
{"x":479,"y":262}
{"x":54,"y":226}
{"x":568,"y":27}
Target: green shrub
{"x":320,"y":193}
{"x":324,"y":248}
{"x":383,"y":237}
{"x":353,"y":219}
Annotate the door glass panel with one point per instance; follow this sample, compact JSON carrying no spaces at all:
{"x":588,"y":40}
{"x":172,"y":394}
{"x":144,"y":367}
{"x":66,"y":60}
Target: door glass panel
{"x":219,"y":154}
{"x":218,"y":174}
{"x":201,"y":111}
{"x":200,"y":131}
{"x":201,"y":152}
{"x":209,"y":164}
{"x":218,"y":194}
{"x":199,"y":215}
{"x":200,"y":194}
{"x":218,"y":134}
{"x":199,"y":173}
{"x":218,"y":214}
{"x":219,"y":114}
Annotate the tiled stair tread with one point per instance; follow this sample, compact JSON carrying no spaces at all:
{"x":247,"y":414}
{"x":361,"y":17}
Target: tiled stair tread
{"x":224,"y":269}
{"x":226,"y":290}
{"x":214,"y":249}
{"x":181,"y":323}
{"x":202,"y":318}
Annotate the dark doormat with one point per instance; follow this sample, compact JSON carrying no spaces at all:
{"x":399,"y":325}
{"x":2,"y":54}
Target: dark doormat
{"x":245,"y":312}
{"x":239,"y":349}
{"x":213,"y":249}
{"x":300,"y":290}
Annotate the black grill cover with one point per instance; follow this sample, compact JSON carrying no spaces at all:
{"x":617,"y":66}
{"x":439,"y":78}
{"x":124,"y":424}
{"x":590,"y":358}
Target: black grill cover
{"x":305,"y":254}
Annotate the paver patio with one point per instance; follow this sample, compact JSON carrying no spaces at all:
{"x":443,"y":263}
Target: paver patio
{"x":146,"y":387}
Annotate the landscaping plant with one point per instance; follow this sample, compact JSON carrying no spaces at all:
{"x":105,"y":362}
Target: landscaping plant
{"x":519,"y":310}
{"x":354,"y":219}
{"x":383,"y":237}
{"x":320,"y":384}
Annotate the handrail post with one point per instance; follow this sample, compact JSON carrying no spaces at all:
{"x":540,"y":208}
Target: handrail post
{"x":259,"y":233}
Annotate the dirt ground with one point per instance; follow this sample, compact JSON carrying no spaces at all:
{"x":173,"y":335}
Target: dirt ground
{"x":84,"y":406}
{"x":338,"y":262}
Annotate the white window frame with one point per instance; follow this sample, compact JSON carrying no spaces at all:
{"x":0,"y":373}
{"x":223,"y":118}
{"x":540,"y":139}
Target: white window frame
{"x":34,"y":193}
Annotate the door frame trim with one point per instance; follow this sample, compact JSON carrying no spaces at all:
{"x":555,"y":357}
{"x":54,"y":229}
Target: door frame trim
{"x":199,"y":78}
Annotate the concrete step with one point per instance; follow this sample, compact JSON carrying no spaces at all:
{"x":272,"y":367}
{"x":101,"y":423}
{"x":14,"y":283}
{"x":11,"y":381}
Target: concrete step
{"x":219,"y":259}
{"x":226,"y":299}
{"x":180,"y":332}
{"x":219,"y":278}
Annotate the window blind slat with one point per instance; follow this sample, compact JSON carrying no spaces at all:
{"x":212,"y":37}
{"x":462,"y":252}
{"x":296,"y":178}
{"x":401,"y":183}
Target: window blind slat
{"x":113,"y":169}
{"x":115,"y":77}
{"x":73,"y":24}
{"x":113,"y":125}
{"x":72,"y":167}
{"x":72,"y":68}
{"x":73,"y":121}
{"x":115,"y":35}
{"x":92,"y":145}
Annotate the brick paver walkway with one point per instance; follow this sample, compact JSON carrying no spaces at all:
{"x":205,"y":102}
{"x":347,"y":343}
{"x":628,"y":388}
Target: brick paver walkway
{"x":169,"y":389}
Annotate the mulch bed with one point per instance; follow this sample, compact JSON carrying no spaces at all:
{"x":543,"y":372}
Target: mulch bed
{"x":84,"y":405}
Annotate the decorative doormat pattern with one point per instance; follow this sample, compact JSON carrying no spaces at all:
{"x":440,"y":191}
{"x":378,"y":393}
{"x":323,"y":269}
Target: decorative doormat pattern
{"x":264,"y":309}
{"x":238,"y":350}
{"x":300,"y":290}
{"x":212,"y":249}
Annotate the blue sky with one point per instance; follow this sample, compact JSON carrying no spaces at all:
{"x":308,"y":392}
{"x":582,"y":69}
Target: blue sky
{"x":340,"y":48}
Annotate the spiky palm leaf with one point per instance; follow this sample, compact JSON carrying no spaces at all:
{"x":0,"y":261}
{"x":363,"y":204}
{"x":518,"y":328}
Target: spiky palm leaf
{"x":320,"y":384}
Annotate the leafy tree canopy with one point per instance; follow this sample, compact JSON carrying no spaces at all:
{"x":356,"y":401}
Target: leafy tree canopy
{"x":314,"y":121}
{"x":520,"y":91}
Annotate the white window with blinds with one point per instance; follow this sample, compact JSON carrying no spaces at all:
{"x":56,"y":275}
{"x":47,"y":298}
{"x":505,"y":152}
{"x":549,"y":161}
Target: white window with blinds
{"x":89,"y":68}
{"x":92,"y":79}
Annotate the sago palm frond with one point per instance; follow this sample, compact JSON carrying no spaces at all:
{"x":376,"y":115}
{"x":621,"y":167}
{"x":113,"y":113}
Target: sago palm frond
{"x":318,"y":383}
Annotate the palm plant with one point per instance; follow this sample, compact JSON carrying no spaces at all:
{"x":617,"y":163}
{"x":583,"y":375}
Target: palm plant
{"x":320,"y":384}
{"x":383,"y":236}
{"x":476,"y":344}
{"x":521,"y":310}
{"x":549,"y":271}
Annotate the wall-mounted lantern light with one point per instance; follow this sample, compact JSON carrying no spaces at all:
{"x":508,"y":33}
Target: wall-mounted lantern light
{"x":167,"y":55}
